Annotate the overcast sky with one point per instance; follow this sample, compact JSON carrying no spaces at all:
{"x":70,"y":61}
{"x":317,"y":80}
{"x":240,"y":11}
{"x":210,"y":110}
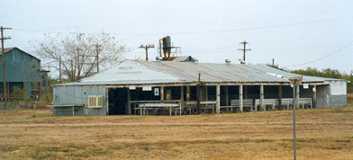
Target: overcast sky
{"x":298,"y":34}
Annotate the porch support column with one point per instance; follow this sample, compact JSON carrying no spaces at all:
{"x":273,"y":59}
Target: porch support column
{"x":218,"y":99}
{"x":206,"y":93}
{"x":241,"y":97}
{"x":280,"y":95}
{"x":227,"y":95}
{"x":187,"y":93}
{"x":182,"y":95}
{"x":128,"y":101}
{"x":262,"y":98}
{"x":314,"y":97}
{"x":162,"y":93}
{"x":188,"y":99}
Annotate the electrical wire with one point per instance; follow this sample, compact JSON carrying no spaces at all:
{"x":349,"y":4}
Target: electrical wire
{"x":332,"y":53}
{"x":263,"y":27}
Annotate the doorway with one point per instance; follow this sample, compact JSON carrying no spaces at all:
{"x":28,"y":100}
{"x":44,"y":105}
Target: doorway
{"x":118,"y":101}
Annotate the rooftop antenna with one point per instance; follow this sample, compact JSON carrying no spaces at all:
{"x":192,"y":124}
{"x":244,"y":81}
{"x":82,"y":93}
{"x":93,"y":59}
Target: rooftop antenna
{"x":244,"y":50}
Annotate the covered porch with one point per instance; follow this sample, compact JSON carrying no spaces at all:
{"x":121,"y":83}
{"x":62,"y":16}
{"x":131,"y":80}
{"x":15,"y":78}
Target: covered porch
{"x":183,"y":99}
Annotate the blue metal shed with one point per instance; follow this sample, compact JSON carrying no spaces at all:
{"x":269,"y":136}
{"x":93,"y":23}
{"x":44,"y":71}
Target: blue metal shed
{"x":23,"y":72}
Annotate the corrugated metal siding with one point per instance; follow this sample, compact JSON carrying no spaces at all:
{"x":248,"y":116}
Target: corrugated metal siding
{"x":21,"y":67}
{"x":323,"y":96}
{"x":78,"y":95}
{"x":338,"y":100}
{"x":68,"y":111}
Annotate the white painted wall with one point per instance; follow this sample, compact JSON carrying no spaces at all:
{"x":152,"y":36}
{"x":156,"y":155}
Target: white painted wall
{"x":338,"y":87}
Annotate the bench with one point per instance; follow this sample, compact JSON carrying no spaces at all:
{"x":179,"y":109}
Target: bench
{"x":205,"y":106}
{"x":144,"y":108}
{"x":272,"y":103}
{"x":247,"y":103}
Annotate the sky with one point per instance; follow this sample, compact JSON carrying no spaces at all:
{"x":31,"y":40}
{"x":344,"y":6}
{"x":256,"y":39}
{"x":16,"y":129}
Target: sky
{"x":297,"y":34}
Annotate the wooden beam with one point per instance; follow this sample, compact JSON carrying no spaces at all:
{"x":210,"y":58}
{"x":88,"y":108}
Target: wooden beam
{"x":262,"y":98}
{"x":314,"y":97}
{"x":162,"y":93}
{"x":128,"y":101}
{"x":280,"y":95}
{"x":218,"y":99}
{"x":227,"y":95}
{"x":205,"y":94}
{"x":181,"y":96}
{"x":188,"y":93}
{"x":241,"y":98}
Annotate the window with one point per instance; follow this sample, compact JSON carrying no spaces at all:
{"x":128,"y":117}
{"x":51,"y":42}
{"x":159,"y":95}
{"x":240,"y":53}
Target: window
{"x":95,"y":102}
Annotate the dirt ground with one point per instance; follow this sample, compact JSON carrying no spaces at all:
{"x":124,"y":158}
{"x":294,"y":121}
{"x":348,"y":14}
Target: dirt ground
{"x":37,"y":134}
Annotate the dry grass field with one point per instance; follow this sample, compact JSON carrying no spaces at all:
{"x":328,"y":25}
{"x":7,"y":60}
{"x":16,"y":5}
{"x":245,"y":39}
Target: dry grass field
{"x":322,"y":134}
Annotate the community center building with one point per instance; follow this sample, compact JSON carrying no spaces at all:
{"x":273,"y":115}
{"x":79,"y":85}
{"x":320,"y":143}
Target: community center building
{"x":189,"y":87}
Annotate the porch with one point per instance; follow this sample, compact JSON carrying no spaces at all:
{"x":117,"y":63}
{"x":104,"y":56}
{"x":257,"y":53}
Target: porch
{"x":208,"y":98}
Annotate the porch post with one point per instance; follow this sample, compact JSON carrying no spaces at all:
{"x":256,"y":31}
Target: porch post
{"x":206,"y":93}
{"x":313,"y":105}
{"x":227,"y":96}
{"x":187,"y":93}
{"x":162,"y":93}
{"x":182,"y":93}
{"x":241,"y":97}
{"x":181,"y":98}
{"x":128,"y":101}
{"x":280,"y":95}
{"x":218,"y":99}
{"x":262,"y":98}
{"x":314,"y":97}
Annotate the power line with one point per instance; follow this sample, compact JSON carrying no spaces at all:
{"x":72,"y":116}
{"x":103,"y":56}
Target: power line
{"x":334,"y":52}
{"x":260,"y":27}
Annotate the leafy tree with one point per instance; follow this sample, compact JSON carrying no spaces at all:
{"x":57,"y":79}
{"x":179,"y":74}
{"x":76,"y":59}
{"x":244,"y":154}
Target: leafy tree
{"x":329,"y":73}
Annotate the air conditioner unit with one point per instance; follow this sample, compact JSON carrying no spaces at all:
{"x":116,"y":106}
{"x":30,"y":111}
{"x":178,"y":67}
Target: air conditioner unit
{"x":95,"y":102}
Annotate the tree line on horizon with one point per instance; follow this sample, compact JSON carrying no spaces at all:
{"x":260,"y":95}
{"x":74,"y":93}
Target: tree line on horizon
{"x":329,"y":73}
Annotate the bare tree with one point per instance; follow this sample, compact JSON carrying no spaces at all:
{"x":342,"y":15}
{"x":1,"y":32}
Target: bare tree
{"x":80,"y":53}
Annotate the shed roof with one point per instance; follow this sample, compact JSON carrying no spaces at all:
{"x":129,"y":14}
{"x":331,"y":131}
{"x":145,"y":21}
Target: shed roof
{"x":8,"y":50}
{"x":142,"y":72}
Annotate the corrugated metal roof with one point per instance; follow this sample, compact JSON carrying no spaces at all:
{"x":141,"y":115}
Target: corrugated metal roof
{"x":130,"y":72}
{"x":142,"y":72}
{"x":8,"y":50}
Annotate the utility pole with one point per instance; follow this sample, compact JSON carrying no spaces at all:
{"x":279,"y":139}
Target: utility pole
{"x":244,"y":50}
{"x":273,"y":62}
{"x":295,"y":81}
{"x":60,"y":78}
{"x":146,"y":47}
{"x":97,"y":55}
{"x":72,"y":70}
{"x":2,"y":38}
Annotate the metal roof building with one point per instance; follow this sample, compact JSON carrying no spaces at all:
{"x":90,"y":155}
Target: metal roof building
{"x":23,"y":75}
{"x":140,"y":87}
